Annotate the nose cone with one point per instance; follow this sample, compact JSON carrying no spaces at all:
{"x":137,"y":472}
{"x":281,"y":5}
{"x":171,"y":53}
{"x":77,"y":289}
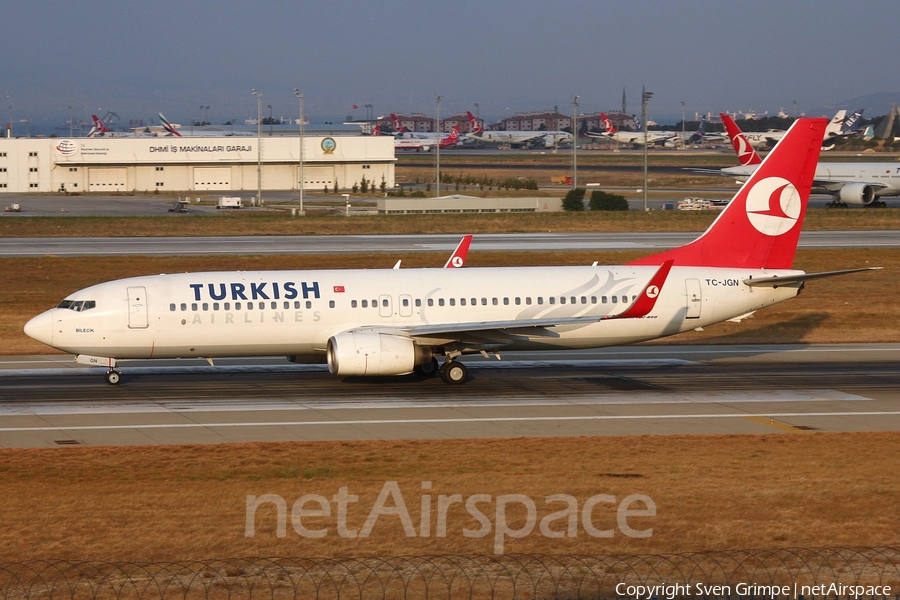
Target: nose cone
{"x":40,"y":328}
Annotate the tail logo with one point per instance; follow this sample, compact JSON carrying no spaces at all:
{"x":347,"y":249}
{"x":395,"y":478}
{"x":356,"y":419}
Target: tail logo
{"x":741,"y":147}
{"x":457,"y":261}
{"x":653,"y":291}
{"x":773,"y":206}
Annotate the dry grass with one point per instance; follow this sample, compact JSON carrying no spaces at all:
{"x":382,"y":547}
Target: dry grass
{"x":855,"y":308}
{"x":711,"y":492}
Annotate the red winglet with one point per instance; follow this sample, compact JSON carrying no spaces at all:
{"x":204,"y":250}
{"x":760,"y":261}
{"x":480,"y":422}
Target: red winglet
{"x":457,"y":260}
{"x":647,"y":300}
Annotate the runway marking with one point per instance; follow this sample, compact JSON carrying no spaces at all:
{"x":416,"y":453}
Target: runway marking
{"x":451,"y":420}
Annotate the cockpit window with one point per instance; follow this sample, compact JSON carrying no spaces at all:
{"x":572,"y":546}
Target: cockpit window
{"x":78,"y":305}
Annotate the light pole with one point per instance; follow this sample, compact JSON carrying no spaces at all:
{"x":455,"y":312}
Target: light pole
{"x":437,"y":148}
{"x":645,"y":97}
{"x":299,"y":93}
{"x":70,"y":121}
{"x":206,"y":118}
{"x":683,"y":138}
{"x":574,"y":143}
{"x":258,"y":94}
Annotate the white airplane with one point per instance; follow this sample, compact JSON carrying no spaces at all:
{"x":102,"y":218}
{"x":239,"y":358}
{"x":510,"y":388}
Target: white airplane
{"x":422,"y":144}
{"x":858,"y":184}
{"x":389,"y":322}
{"x":633,"y":138}
{"x":549,"y":139}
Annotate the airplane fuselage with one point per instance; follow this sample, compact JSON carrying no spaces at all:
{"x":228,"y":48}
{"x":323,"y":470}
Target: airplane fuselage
{"x":295,"y":313}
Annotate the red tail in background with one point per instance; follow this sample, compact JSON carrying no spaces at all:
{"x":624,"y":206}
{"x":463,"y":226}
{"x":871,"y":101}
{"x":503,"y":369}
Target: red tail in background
{"x":745,"y":152}
{"x":473,"y":122}
{"x":760,"y":227}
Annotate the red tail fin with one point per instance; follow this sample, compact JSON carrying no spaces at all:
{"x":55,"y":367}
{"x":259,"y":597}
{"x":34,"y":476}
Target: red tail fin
{"x":101,"y":128}
{"x":395,"y":122}
{"x":473,"y":122}
{"x":607,"y":124}
{"x":760,"y":227}
{"x":452,"y":139}
{"x":745,"y":152}
{"x":377,"y":130}
{"x":457,"y":260}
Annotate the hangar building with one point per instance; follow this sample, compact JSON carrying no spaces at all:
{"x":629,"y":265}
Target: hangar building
{"x":173,"y":164}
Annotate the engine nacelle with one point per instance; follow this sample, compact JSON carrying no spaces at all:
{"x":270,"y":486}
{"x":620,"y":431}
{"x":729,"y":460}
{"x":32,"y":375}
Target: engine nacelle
{"x":371,"y":353}
{"x":857,"y":193}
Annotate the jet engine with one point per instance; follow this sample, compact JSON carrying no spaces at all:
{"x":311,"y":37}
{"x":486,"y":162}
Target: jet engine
{"x":372,"y":353}
{"x":857,"y":193}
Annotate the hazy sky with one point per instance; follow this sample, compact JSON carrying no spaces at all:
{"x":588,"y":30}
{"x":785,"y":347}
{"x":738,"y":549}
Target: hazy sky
{"x":141,"y":58}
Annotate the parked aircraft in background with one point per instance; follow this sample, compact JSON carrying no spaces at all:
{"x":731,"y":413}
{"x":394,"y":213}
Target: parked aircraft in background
{"x":857,"y":184}
{"x":382,"y":322}
{"x":633,"y":138}
{"x":547,"y":139}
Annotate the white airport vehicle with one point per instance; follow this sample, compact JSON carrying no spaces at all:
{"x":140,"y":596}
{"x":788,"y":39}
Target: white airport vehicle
{"x":229,"y":202}
{"x":383,"y":322}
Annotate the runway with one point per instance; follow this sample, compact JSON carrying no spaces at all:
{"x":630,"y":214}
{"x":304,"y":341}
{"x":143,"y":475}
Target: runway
{"x":353,"y":244}
{"x":50,"y":402}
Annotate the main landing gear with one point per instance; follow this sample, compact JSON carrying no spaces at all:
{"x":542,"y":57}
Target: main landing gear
{"x":453,"y":372}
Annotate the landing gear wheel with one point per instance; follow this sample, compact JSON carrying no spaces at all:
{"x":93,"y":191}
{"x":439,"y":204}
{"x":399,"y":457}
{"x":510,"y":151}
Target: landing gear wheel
{"x":429,"y":369}
{"x":454,"y":372}
{"x":112,"y":377}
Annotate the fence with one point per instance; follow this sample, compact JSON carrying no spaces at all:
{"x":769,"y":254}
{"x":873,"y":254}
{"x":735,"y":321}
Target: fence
{"x":517,"y":576}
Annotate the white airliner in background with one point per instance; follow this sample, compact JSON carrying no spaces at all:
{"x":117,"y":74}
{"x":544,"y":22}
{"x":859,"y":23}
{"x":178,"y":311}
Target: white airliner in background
{"x":633,"y":138}
{"x":858,"y":184}
{"x":399,"y":321}
{"x":548,"y":139}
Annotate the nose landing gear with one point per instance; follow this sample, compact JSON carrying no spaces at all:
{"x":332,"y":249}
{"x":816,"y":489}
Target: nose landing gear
{"x":113,"y":376}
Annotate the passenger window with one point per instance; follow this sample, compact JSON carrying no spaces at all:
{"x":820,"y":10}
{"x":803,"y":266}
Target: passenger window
{"x":308,"y":304}
{"x":518,"y":301}
{"x":431,"y":302}
{"x":384,"y":303}
{"x":615,"y":299}
{"x":228,"y":306}
{"x":331,"y":304}
{"x":194,"y":306}
{"x":215,"y":306}
{"x":494,"y":301}
{"x":562,"y":299}
{"x":603,"y":299}
{"x":440,"y":301}
{"x":418,"y":302}
{"x":353,"y":304}
{"x":287,"y":305}
{"x":206,"y":307}
{"x":405,"y":302}
{"x":583,"y":300}
{"x":593,"y":299}
{"x":296,"y":304}
{"x":551,"y":300}
{"x":484,"y":301}
{"x":274,"y":305}
{"x":540,"y":300}
{"x":183,"y":307}
{"x":528,"y":300}
{"x":506,"y":302}
{"x":452,"y":301}
{"x":474,"y":301}
{"x":172,"y":307}
{"x":462,"y":301}
{"x":365,"y":304}
{"x":237,"y":306}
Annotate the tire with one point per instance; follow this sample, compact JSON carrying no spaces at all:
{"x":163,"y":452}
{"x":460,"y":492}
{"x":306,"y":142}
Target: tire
{"x":454,"y":373}
{"x":112,"y":377}
{"x":429,"y":369}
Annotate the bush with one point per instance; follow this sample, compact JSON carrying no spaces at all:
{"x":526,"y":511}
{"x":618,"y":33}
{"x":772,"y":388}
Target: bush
{"x":574,"y":200}
{"x":601,"y":200}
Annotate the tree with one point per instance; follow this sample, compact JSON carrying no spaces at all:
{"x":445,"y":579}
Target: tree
{"x":601,"y":200}
{"x":574,"y":200}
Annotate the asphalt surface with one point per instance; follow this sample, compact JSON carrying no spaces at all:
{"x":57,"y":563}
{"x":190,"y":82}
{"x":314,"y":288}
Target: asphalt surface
{"x":344,"y":244}
{"x":50,"y":402}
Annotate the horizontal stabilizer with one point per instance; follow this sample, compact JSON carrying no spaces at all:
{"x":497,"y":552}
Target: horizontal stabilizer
{"x":776,"y":281}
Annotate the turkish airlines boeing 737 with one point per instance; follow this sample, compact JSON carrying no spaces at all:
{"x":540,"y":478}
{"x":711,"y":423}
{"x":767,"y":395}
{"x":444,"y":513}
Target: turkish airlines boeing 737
{"x":393,"y":321}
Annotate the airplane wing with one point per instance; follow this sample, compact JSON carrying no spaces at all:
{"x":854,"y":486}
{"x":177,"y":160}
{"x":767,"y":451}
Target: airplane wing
{"x":641,"y":307}
{"x":776,"y":281}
